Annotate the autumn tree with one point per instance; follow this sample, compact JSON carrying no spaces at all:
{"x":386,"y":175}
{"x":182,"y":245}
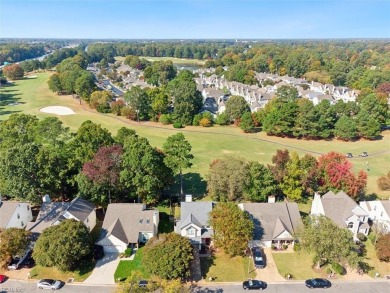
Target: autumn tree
{"x":233,"y":228}
{"x":13,"y":71}
{"x":226,"y":178}
{"x":13,"y":241}
{"x":168,"y":256}
{"x":62,"y":246}
{"x":291,"y":183}
{"x":178,"y":155}
{"x":280,"y":160}
{"x":328,"y":242}
{"x":103,"y":170}
{"x":384,"y":182}
{"x":383,"y":248}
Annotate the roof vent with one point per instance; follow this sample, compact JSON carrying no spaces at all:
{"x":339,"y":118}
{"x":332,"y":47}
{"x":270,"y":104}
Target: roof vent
{"x":188,"y":197}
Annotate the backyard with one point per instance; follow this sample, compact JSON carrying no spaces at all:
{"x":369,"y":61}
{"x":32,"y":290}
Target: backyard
{"x":29,"y":95}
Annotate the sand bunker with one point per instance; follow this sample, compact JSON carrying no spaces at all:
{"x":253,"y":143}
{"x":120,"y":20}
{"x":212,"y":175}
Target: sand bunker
{"x":58,"y":110}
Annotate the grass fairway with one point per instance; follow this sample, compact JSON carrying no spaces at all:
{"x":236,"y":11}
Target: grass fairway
{"x":223,"y":268}
{"x":207,"y":143}
{"x":173,"y":59}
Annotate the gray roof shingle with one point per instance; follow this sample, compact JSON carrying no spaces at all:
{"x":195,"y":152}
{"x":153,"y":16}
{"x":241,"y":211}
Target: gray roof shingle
{"x":200,"y":210}
{"x":7,"y":209}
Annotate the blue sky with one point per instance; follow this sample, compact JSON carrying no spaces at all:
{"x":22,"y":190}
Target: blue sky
{"x":189,"y":19}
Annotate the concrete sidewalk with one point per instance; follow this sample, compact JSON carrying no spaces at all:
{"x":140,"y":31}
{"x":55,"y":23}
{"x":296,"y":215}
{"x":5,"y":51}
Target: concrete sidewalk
{"x":104,"y":271}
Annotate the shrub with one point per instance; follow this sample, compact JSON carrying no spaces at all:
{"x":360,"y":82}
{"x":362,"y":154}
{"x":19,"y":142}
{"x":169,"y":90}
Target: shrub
{"x":297,"y":247}
{"x":273,"y":247}
{"x":337,"y":268}
{"x":128,"y":252}
{"x":116,"y":107}
{"x":205,"y":122}
{"x":284,"y":246}
{"x":196,"y":120}
{"x":165,"y":119}
{"x":222,"y":119}
{"x":209,"y":116}
{"x":372,"y":237}
{"x":361,"y":237}
{"x":383,"y":248}
{"x":177,"y":125}
{"x":128,"y":113}
{"x":384,"y":182}
{"x":103,"y":108}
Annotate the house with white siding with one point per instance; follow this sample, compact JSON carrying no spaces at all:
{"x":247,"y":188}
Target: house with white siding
{"x":14,"y":214}
{"x":378,"y":212}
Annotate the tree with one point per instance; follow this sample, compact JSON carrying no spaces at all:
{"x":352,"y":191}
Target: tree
{"x":100,"y":99}
{"x":233,"y":228}
{"x":84,"y":85}
{"x":168,"y":256}
{"x":383,"y":248}
{"x":246,"y":122}
{"x":376,"y":107}
{"x":62,"y":246}
{"x":138,"y":99}
{"x":54,"y":83}
{"x":366,"y":126}
{"x":328,"y":242}
{"x":259,"y":183}
{"x":143,"y":170}
{"x":159,"y":102}
{"x":122,"y":134}
{"x":13,"y":241}
{"x":291,"y":183}
{"x":178,"y":155}
{"x":18,"y":129}
{"x":226,"y":178}
{"x":222,"y":119}
{"x":104,"y":169}
{"x":384,"y":182}
{"x":13,"y":71}
{"x":345,"y":128}
{"x":287,"y":93}
{"x":236,"y":106}
{"x":280,"y":160}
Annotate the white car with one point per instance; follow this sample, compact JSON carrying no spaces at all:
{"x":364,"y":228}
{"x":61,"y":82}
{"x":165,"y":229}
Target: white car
{"x":49,"y":284}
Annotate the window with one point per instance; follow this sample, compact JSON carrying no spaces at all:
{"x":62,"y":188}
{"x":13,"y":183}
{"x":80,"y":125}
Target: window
{"x":350,"y":225}
{"x":22,"y":224}
{"x":140,"y":221}
{"x":147,"y":221}
{"x":374,"y":208}
{"x":382,"y":214}
{"x":28,"y":207}
{"x":18,"y":216}
{"x":191,"y":232}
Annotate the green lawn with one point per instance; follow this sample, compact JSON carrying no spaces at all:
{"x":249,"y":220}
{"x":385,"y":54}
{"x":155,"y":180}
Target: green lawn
{"x":223,"y":268}
{"x":207,"y":143}
{"x":383,"y":268}
{"x":297,"y":264}
{"x":125,"y":267}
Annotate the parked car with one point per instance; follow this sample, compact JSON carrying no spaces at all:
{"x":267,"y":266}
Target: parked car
{"x":143,"y":284}
{"x":349,"y":155}
{"x":364,"y":154}
{"x":258,"y":258}
{"x":318,"y":283}
{"x":254,"y":284}
{"x":14,"y":264}
{"x":49,"y":284}
{"x":2,"y":278}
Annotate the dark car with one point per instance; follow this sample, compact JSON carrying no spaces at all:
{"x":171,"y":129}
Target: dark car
{"x":258,"y":258}
{"x":318,"y":283}
{"x":254,"y":284}
{"x":364,"y":154}
{"x":349,"y":155}
{"x":143,"y":284}
{"x":2,"y":278}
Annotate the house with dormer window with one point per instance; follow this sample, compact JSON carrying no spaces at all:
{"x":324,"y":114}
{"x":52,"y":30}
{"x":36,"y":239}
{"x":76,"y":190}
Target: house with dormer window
{"x":14,"y":214}
{"x":194,"y":223}
{"x":342,"y":210}
{"x":378,"y":212}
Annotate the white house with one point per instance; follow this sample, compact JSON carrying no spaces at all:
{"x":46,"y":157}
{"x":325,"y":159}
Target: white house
{"x":194,"y":223}
{"x":14,"y":214}
{"x":53,"y":213}
{"x":378,"y":211}
{"x":127,"y":224}
{"x":342,"y":210}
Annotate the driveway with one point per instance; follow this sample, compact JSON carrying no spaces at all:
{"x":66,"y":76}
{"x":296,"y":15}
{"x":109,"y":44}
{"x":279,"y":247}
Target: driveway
{"x":103,"y":273}
{"x":270,"y":272}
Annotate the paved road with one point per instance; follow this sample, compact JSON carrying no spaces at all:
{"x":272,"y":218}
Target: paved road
{"x":298,"y":287}
{"x":293,"y":287}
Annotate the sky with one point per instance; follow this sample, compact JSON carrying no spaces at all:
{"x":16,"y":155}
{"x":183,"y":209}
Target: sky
{"x":195,"y":19}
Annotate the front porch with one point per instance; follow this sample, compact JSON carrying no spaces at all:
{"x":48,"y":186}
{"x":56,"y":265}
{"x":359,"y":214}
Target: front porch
{"x":285,"y":245}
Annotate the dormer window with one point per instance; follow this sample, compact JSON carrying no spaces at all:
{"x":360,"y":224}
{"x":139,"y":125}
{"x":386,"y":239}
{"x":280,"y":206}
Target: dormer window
{"x":191,"y":232}
{"x":350,"y":225}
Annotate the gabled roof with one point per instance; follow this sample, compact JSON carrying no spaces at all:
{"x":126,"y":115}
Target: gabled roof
{"x":80,"y":209}
{"x":339,"y":207}
{"x":190,"y":219}
{"x":272,"y":219}
{"x":126,"y":220}
{"x":7,"y":209}
{"x":386,"y":206}
{"x":199,"y":210}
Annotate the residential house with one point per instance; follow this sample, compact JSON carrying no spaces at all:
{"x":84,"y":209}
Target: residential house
{"x":53,"y":213}
{"x":274,"y":223}
{"x":194,"y":223}
{"x":342,"y":210}
{"x":378,"y":212}
{"x":126,"y":225}
{"x":14,"y":214}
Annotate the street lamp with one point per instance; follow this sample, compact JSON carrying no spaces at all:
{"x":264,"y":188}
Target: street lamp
{"x":137,"y":115}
